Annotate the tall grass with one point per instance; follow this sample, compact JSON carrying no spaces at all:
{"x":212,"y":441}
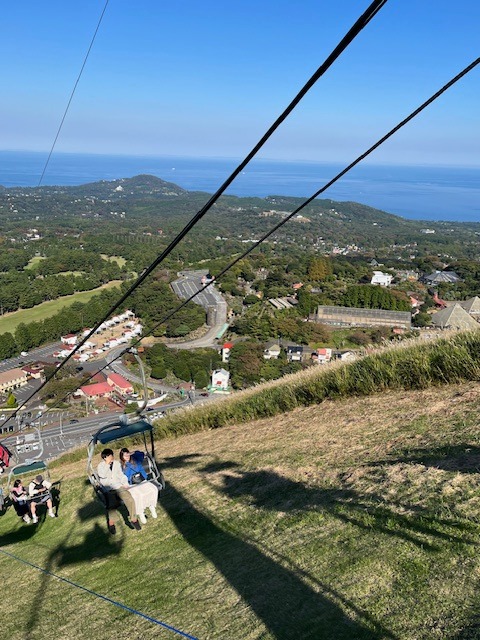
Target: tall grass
{"x":413,"y":364}
{"x":410,"y":365}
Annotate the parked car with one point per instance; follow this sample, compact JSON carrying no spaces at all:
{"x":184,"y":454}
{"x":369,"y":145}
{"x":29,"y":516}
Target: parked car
{"x":73,"y":421}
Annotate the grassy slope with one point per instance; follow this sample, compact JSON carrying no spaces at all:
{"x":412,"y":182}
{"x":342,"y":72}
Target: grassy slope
{"x":10,"y":321}
{"x":355,"y":518}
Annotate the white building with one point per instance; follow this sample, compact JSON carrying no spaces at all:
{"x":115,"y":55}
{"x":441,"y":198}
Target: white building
{"x":220,"y":380}
{"x":382,"y":279}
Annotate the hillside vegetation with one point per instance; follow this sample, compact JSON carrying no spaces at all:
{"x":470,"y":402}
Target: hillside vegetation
{"x":353,"y":518}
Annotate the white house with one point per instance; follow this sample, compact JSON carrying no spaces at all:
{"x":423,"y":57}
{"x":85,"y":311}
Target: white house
{"x":382,"y":279}
{"x":70,"y":339}
{"x":322,"y":356}
{"x":220,"y":380}
{"x":272,"y":351}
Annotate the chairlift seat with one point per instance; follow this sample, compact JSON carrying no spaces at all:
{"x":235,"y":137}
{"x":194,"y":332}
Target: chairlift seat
{"x":117,"y":431}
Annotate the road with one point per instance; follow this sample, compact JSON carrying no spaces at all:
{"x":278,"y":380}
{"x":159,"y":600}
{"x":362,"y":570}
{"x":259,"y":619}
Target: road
{"x":189,"y":283}
{"x":59,"y":437}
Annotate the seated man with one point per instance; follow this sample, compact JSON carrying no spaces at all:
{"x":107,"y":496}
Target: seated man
{"x":39,"y":493}
{"x":115,"y":483}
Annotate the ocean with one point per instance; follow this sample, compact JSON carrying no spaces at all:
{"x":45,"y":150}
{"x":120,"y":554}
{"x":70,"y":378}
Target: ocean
{"x":415,"y":192}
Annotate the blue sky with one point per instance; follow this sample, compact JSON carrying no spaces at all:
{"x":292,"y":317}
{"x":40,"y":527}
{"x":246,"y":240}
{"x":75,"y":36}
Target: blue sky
{"x":207,"y":78}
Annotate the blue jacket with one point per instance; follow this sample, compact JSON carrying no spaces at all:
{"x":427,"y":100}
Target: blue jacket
{"x":135,"y":466}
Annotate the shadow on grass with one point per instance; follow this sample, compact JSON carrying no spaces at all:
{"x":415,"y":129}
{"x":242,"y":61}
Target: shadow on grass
{"x":268,"y":490}
{"x":462,"y":458}
{"x":289,"y":608}
{"x":472,"y":631}
{"x":96,"y":544}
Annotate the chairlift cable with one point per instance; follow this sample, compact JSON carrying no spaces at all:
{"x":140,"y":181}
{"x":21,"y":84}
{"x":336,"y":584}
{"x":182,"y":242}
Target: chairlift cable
{"x":72,"y":94}
{"x":361,"y":157}
{"x":353,"y":32}
{"x":125,"y":607}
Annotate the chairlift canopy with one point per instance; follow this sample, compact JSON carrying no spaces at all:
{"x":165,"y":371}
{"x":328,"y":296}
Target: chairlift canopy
{"x":22,"y":469}
{"x":118,"y":430}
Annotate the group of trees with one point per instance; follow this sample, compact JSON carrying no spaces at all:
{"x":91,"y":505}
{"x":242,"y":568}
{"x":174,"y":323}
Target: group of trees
{"x":155,"y":301}
{"x":262,"y":323}
{"x":24,"y":291}
{"x":247,"y":365}
{"x":374,"y":297}
{"x":196,"y":365}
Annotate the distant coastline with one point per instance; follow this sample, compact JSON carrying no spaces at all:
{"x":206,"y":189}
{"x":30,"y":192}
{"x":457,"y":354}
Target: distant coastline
{"x":420,"y":193}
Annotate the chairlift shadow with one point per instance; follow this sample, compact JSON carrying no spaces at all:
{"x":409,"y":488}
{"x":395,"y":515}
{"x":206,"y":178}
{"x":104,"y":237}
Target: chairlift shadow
{"x":97,"y":544}
{"x":288,"y":607}
{"x":270,"y":491}
{"x":179,"y":462}
{"x":460,"y":458}
{"x":24,"y":533}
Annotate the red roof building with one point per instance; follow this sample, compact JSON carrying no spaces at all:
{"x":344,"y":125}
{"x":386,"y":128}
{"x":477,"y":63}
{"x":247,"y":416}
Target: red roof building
{"x":118,"y":382}
{"x":98,"y":390}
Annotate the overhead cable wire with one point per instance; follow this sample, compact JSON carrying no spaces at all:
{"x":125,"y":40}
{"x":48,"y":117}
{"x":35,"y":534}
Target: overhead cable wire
{"x":116,"y":603}
{"x":275,"y":228}
{"x":339,"y":175}
{"x":72,"y":94}
{"x":353,"y":32}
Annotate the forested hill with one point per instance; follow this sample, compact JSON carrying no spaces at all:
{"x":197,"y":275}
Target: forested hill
{"x":145,"y":204}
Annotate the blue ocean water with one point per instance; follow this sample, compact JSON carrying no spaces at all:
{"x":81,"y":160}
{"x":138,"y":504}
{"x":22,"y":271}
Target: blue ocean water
{"x":416,"y":192}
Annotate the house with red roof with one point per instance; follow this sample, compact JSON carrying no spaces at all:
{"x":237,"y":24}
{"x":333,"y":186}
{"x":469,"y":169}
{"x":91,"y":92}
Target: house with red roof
{"x":97,"y":390}
{"x":322,"y":356}
{"x":119,"y":384}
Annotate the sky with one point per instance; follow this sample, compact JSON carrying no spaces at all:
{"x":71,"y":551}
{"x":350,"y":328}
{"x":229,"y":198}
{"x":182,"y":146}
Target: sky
{"x":206,"y":79}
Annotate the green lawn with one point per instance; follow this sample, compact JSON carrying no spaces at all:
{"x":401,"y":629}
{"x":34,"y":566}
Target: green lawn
{"x":118,"y":259}
{"x":34,"y":261}
{"x":10,"y":321}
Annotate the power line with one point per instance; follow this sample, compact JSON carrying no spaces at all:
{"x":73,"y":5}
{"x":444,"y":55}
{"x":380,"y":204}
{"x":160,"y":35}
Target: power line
{"x":362,"y":22}
{"x":120,"y":605}
{"x":339,"y":175}
{"x":73,"y":93}
{"x":353,"y":32}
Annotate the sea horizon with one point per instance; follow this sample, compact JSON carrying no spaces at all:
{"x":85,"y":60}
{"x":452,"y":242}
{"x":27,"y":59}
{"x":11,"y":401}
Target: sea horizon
{"x":418,"y":192}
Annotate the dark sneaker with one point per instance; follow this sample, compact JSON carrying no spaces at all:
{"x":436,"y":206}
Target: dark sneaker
{"x":112,"y":529}
{"x":136,"y":525}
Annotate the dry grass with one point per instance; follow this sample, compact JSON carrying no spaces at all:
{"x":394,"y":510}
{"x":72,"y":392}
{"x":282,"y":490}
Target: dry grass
{"x":356,"y":518}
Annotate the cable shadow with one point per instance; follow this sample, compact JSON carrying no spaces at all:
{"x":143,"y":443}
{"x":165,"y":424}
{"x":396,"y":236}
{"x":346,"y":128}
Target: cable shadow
{"x":288,"y":607}
{"x":268,"y":490}
{"x":94,"y":545}
{"x":462,"y":458}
